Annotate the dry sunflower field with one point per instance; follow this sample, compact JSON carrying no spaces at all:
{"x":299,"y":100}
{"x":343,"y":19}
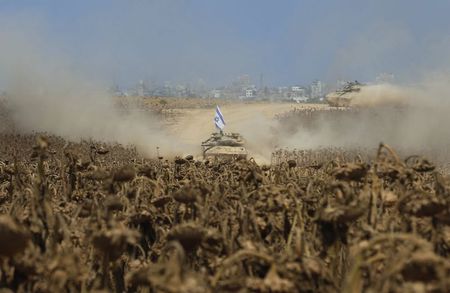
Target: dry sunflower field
{"x":96,"y":217}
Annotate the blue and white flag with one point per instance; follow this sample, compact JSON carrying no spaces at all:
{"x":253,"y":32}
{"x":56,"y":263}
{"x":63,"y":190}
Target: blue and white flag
{"x":218,"y":119}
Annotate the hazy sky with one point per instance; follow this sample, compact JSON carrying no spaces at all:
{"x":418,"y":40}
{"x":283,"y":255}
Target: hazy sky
{"x":287,"y":41}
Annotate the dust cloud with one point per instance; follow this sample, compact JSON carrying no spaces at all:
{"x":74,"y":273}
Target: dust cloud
{"x":386,"y":95}
{"x":46,"y":93}
{"x":413,"y":118}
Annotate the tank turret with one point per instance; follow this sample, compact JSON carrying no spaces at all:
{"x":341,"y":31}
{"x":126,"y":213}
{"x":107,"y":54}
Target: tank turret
{"x":343,"y":97}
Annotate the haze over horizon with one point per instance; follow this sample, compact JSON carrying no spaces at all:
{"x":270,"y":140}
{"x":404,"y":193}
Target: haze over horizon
{"x":288,"y":42}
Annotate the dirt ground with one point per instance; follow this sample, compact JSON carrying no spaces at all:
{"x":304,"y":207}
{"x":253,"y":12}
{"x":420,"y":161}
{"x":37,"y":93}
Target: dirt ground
{"x":194,"y":125}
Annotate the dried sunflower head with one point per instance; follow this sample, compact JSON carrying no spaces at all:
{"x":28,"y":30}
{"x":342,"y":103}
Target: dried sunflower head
{"x":190,"y":235}
{"x":13,"y":237}
{"x":124,"y":174}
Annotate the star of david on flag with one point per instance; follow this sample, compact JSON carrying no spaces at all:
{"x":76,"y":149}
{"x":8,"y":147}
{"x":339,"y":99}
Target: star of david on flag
{"x":218,"y":119}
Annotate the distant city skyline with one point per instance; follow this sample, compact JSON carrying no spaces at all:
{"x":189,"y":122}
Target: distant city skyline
{"x":243,"y":88}
{"x":184,"y":41}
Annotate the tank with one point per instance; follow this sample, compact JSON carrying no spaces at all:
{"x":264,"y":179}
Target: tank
{"x":224,"y":145}
{"x":344,"y":96}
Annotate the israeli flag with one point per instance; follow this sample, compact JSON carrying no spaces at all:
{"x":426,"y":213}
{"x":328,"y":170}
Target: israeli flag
{"x":218,"y":119}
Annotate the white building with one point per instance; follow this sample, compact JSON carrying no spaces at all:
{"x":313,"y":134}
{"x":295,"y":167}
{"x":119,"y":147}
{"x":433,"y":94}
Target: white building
{"x":317,"y":88}
{"x":140,"y":88}
{"x":283,"y":91}
{"x":250,"y":93}
{"x":298,"y":91}
{"x":217,"y":94}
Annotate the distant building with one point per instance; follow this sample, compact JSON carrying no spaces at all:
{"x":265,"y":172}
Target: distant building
{"x":283,"y":91}
{"x":317,"y":88}
{"x":217,"y":94}
{"x":250,"y":93}
{"x":298,"y":91}
{"x":140,"y":88}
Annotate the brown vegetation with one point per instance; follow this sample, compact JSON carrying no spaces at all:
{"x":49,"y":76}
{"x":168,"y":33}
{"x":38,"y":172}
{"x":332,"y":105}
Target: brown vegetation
{"x":89,"y":216}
